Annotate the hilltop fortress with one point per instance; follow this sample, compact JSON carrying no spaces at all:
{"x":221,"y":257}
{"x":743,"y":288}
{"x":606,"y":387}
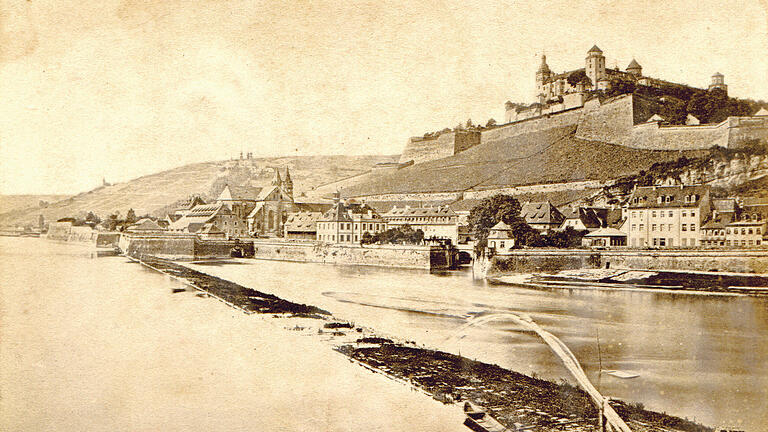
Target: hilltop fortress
{"x":577,"y":98}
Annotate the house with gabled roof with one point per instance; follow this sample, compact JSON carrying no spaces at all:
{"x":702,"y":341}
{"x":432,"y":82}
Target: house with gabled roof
{"x":542,"y":216}
{"x":501,"y":240}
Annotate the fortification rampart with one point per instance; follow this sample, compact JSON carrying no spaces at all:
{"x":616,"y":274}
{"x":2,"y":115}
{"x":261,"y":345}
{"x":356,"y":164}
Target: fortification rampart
{"x":620,"y":120}
{"x":421,"y":149}
{"x":182,"y":246}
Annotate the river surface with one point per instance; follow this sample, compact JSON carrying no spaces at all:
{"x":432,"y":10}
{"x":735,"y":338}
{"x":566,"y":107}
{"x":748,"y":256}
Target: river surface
{"x":102,"y":344}
{"x":697,"y":356}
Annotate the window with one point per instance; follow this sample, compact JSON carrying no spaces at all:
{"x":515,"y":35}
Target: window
{"x":661,"y":213}
{"x":653,"y":227}
{"x":670,"y":213}
{"x":501,"y":244}
{"x":683,"y":215}
{"x":693,"y":213}
{"x":757,"y":242}
{"x":662,"y":242}
{"x":642,"y":227}
{"x":634,"y":214}
{"x":727,"y":242}
{"x":661,"y":227}
{"x":634,"y":227}
{"x":653,"y":213}
{"x":750,"y":231}
{"x":655,"y":241}
{"x":683,"y":242}
{"x":743,"y":231}
{"x":693,"y":227}
{"x":727,"y":230}
{"x":683,"y":227}
{"x":757,"y":230}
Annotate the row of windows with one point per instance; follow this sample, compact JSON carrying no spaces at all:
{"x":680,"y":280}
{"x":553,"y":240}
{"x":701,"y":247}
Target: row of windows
{"x":420,"y":219}
{"x":348,"y":225}
{"x":662,"y":213}
{"x":744,"y":231}
{"x":735,"y":243}
{"x":342,"y":237}
{"x":661,"y":227}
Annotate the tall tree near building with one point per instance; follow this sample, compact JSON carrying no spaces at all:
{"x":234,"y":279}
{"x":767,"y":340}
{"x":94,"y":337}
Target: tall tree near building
{"x":130,"y":217}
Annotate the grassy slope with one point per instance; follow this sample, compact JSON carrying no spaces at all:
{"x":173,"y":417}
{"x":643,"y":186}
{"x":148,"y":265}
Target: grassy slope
{"x":550,"y":156}
{"x":15,"y":202}
{"x":153,"y":192}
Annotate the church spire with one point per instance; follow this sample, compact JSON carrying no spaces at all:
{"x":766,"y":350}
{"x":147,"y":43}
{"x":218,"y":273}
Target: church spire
{"x":288,"y":182}
{"x":276,"y":181}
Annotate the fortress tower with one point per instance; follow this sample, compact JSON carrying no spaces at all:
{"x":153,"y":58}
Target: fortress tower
{"x":718,"y":82}
{"x":595,"y":66}
{"x":635,"y":69}
{"x":542,"y":75}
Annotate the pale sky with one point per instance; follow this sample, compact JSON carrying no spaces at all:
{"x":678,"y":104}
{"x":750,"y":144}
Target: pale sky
{"x":127,"y":88}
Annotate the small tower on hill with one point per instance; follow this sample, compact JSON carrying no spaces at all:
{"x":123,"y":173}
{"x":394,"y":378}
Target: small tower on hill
{"x":718,"y":82}
{"x":288,"y":182}
{"x":594,"y":65}
{"x":634,"y":68}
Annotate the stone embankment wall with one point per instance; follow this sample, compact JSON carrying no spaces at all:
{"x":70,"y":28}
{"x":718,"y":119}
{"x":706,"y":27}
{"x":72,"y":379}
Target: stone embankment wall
{"x":551,"y":260}
{"x":416,"y":257}
{"x":181,"y":246}
{"x":64,"y":231}
{"x":535,"y":124}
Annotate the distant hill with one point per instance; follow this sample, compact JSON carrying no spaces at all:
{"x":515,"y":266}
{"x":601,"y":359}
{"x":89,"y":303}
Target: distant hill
{"x":153,"y":193}
{"x":550,"y":156}
{"x":16,"y":202}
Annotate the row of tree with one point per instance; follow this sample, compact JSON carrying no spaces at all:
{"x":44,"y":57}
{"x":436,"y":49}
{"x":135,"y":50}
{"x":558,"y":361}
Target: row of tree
{"x":399,"y":235}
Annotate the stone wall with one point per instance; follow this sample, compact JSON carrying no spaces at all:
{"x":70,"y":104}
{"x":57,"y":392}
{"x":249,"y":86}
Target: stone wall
{"x":610,"y":122}
{"x":181,"y":246}
{"x":417,"y":257}
{"x":535,"y":124}
{"x":420,"y":150}
{"x":551,"y":260}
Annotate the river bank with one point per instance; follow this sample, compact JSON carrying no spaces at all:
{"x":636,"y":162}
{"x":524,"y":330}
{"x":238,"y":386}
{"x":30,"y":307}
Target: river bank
{"x":446,"y":377}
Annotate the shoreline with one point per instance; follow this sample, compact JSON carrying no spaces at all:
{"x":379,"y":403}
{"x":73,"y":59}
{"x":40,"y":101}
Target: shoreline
{"x":386,"y":357}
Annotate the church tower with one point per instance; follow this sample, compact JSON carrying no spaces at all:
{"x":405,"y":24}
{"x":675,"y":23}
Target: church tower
{"x":542,"y":75}
{"x":595,"y":65}
{"x":276,"y":181}
{"x":288,"y":183}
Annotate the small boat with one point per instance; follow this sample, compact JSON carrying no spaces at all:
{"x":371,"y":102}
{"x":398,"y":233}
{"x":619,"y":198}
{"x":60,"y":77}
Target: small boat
{"x":479,"y":421}
{"x":621,"y":374}
{"x":178,"y":290}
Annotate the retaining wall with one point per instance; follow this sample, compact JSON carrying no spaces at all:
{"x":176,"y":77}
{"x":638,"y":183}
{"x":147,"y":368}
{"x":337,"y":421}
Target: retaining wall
{"x":181,"y":246}
{"x":417,"y":257}
{"x":524,"y":261}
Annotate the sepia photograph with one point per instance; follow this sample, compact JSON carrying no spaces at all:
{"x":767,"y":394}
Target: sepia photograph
{"x":332,"y":216}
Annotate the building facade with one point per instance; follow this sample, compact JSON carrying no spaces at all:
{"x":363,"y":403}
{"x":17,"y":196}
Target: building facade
{"x":542,"y":216}
{"x":437,"y":223}
{"x":667,"y":216}
{"x":347,"y":223}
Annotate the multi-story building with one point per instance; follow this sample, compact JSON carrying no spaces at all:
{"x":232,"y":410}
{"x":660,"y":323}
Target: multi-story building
{"x":348,"y":223}
{"x":667,"y":216}
{"x":437,"y":223}
{"x":747,"y":232}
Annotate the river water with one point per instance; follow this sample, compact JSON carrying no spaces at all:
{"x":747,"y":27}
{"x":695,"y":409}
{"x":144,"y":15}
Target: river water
{"x":103,"y":344}
{"x":697,"y":356}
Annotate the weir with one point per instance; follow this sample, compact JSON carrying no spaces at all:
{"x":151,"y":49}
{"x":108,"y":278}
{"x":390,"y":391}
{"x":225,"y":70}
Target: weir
{"x":566,"y":356}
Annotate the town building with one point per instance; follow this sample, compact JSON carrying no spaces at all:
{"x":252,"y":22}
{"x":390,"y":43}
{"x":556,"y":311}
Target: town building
{"x":348,"y":223}
{"x":745,"y":233}
{"x":542,"y":216}
{"x":437,"y":223}
{"x":605,"y":237}
{"x":583,"y":219}
{"x":301,"y":226}
{"x":667,"y":216}
{"x":501,"y":239}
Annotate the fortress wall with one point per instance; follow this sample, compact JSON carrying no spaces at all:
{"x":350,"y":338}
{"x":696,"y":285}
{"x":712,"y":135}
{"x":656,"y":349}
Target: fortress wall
{"x":421,"y":150}
{"x":610,"y":122}
{"x":653,"y":136}
{"x":549,"y":121}
{"x":745,"y":129}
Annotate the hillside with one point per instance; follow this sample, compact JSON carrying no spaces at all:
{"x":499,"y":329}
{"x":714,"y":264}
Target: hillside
{"x":549,"y":156}
{"x":155,"y":192}
{"x":16,"y":202}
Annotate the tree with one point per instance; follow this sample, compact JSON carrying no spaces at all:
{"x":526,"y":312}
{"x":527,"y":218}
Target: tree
{"x":491,"y":122}
{"x":92,"y":219}
{"x":489,"y":212}
{"x":579,"y":77}
{"x":130,"y":217}
{"x":569,"y":238}
{"x":469,"y":124}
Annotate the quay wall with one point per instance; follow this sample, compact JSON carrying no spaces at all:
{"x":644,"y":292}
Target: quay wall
{"x":65,"y":231}
{"x":552,"y":260}
{"x":182,"y":246}
{"x":416,"y":257}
